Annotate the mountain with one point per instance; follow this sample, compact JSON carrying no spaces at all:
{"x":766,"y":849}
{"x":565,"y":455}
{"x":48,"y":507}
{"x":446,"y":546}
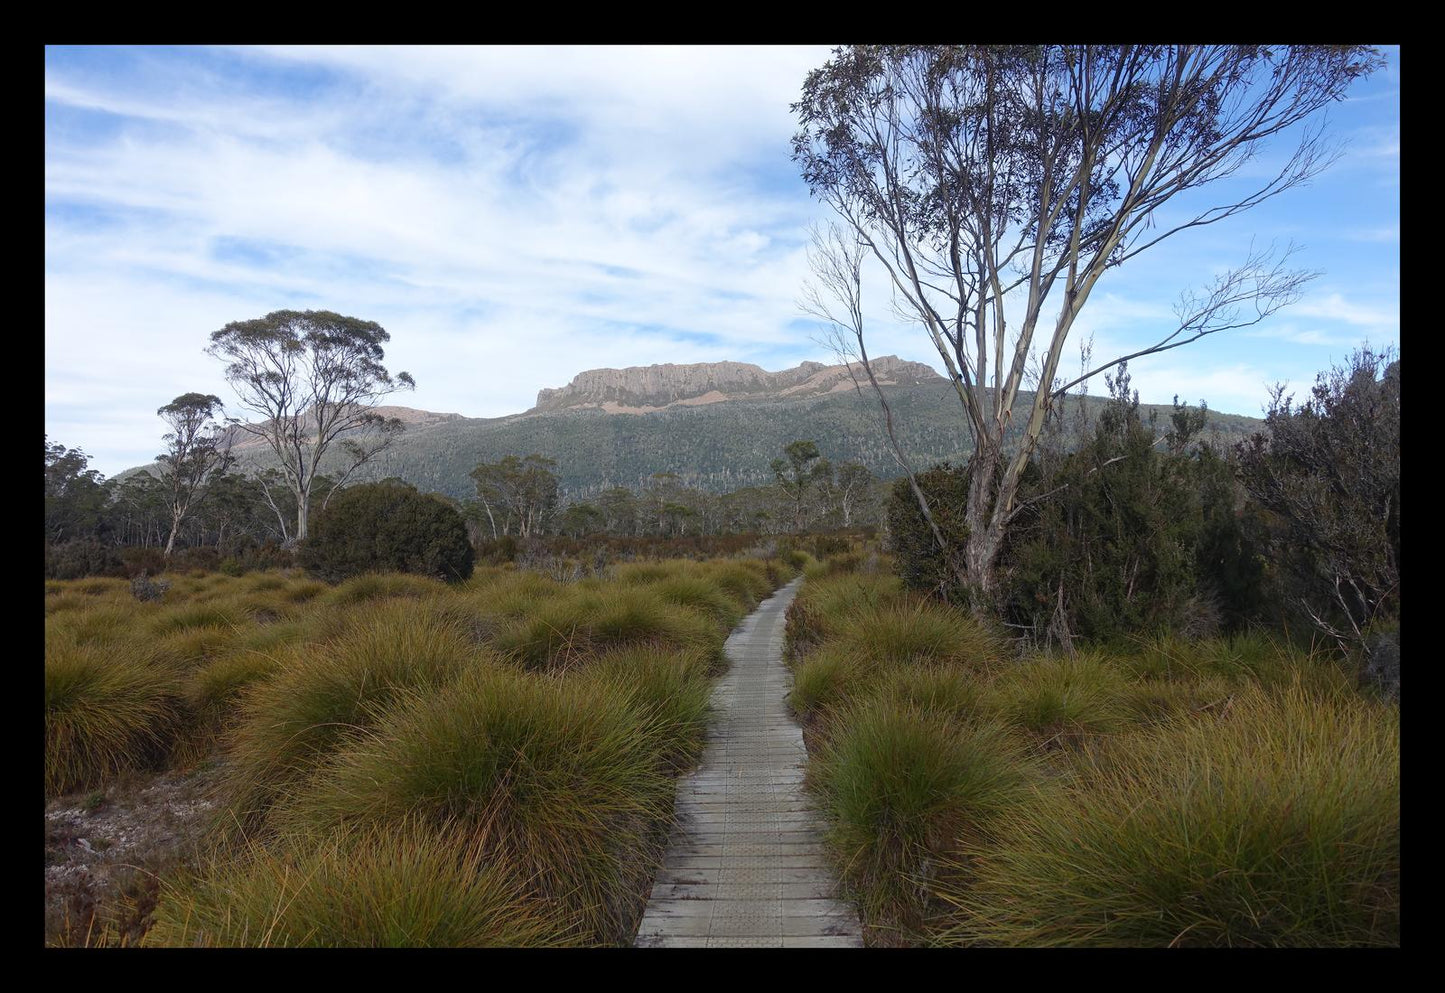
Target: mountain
{"x":715,"y":425}
{"x":645,"y":390}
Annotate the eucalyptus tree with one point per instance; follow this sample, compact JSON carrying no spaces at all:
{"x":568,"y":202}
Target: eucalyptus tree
{"x":315,"y":378}
{"x":995,"y":185}
{"x":800,"y":473}
{"x":198,"y":452}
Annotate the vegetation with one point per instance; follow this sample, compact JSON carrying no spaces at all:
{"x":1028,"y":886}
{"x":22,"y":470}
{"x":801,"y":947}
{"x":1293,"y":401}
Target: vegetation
{"x":1176,"y":791}
{"x":397,"y":760}
{"x":388,"y":527}
{"x":313,"y":378}
{"x":979,"y":174}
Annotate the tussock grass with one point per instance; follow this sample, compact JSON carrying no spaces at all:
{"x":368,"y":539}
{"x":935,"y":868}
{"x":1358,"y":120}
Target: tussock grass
{"x":383,"y":586}
{"x":100,"y":624}
{"x":97,"y":586}
{"x":822,"y":608}
{"x":549,"y":777}
{"x":747,"y":582}
{"x":386,"y":887}
{"x":191,"y":646}
{"x":564,"y":631}
{"x":187,"y":616}
{"x":107,"y":709}
{"x":63,"y":600}
{"x":304,"y":590}
{"x":1275,"y":824}
{"x":905,"y":788}
{"x":824,"y":680}
{"x":700,"y":594}
{"x":670,"y":691}
{"x":917,"y":632}
{"x":324,"y":695}
{"x":1059,"y":698}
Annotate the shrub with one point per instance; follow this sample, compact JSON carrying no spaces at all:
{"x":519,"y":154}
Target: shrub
{"x":82,"y":557}
{"x":377,"y":527}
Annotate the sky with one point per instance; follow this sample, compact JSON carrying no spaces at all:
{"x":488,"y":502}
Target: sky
{"x":514,"y":216}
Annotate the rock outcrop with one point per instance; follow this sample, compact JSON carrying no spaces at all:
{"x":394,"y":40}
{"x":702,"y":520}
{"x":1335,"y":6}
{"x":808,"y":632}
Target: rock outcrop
{"x":641,"y":389}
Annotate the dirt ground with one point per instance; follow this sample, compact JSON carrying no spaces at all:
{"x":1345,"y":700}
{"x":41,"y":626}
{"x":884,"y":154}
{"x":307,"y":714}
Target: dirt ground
{"x":106,"y":852}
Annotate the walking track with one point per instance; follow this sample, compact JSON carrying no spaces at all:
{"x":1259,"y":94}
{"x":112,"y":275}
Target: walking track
{"x":745,"y":864}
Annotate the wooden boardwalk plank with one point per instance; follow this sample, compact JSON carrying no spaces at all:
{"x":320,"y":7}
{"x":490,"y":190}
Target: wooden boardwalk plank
{"x":745,"y":866}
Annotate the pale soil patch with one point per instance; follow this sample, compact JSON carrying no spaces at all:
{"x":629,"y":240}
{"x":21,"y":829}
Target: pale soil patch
{"x":106,"y":851}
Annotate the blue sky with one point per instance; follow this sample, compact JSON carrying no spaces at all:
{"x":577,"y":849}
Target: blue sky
{"x":514,"y":216}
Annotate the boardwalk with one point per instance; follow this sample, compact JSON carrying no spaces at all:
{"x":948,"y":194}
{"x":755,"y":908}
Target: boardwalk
{"x":745,"y":864}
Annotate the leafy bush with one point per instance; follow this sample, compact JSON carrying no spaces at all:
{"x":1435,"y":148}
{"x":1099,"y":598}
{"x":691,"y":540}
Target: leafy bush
{"x":916,"y":555}
{"x":1329,"y":470}
{"x":384,"y":527}
{"x":82,"y":557}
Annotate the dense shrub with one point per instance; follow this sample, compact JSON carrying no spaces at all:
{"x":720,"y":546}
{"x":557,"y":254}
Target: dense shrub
{"x":915,"y":551}
{"x":1125,"y":537}
{"x":379,"y":527}
{"x":1329,"y":473}
{"x":82,"y":557}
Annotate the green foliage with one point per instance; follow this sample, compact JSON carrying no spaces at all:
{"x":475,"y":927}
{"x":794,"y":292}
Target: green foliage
{"x":384,"y":527}
{"x":324,"y":695}
{"x":81,"y":557}
{"x":1329,"y":473}
{"x":74,"y":497}
{"x":905,"y":788}
{"x":916,"y":555}
{"x":1121,"y":537}
{"x":550,"y":778}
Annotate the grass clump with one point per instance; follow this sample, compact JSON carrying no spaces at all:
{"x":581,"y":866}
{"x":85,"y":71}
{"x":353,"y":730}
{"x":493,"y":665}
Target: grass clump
{"x":107,"y":709}
{"x":383,"y":887}
{"x":920,"y":631}
{"x":570,"y":628}
{"x":383,"y":586}
{"x":1061,"y":698}
{"x":1274,"y":824}
{"x":323,"y":695}
{"x":549,"y":777}
{"x":906,"y":789}
{"x":670,"y":691}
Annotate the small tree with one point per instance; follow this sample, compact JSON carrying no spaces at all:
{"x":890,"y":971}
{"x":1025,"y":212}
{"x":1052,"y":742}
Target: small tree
{"x":315,"y":378}
{"x":198,"y":453}
{"x":851,"y":485}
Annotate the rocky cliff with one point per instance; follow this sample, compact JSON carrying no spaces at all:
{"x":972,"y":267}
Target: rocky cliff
{"x":642,"y":389}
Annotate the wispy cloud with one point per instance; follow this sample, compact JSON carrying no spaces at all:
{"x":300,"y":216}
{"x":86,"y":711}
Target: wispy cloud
{"x":512,"y":215}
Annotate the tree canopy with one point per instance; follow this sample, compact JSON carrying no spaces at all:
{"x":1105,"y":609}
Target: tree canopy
{"x":314,"y":377}
{"x":995,"y":185}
